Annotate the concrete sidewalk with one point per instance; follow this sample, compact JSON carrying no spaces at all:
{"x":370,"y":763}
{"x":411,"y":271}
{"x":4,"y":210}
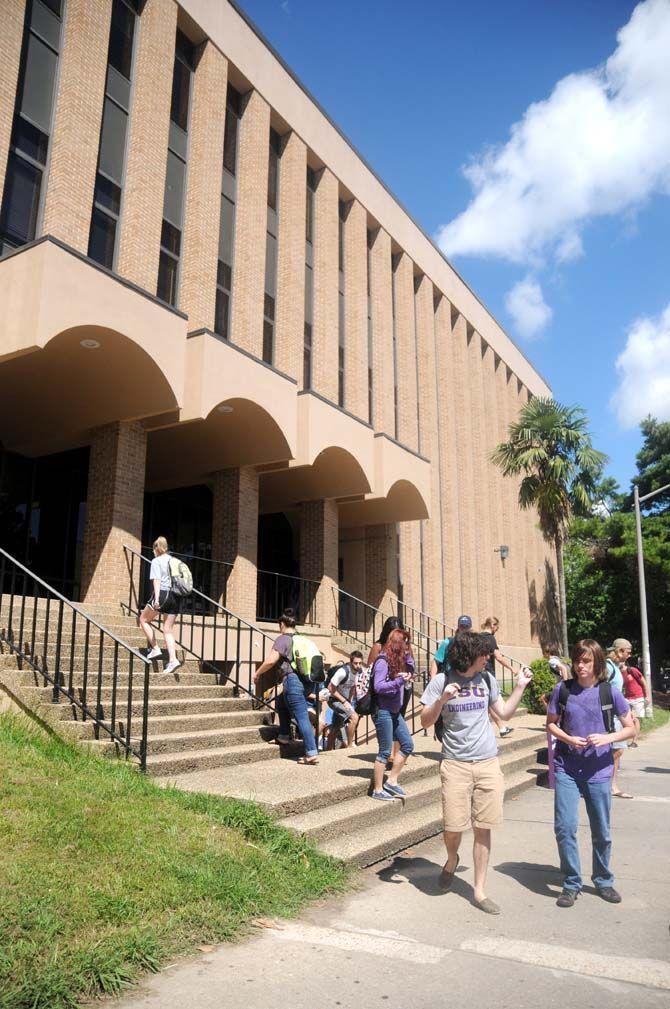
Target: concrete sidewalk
{"x":398,"y":941}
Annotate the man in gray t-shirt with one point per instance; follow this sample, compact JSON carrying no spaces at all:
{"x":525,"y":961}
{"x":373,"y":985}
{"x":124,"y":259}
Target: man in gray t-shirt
{"x":472,"y":782}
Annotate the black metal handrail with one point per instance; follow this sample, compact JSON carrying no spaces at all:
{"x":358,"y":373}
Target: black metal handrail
{"x":48,"y":636}
{"x":211,"y":575}
{"x":276,"y":591}
{"x":220,"y":641}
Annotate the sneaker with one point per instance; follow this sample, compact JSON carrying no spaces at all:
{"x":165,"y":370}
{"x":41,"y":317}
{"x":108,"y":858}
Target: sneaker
{"x":172,"y":666}
{"x":155,"y":653}
{"x":506,"y":732}
{"x":567,"y":898}
{"x":395,"y":790}
{"x":382,"y":796}
{"x":609,"y":894}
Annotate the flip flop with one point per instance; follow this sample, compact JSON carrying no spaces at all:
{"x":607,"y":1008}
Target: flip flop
{"x":623,"y":795}
{"x":308,"y":761}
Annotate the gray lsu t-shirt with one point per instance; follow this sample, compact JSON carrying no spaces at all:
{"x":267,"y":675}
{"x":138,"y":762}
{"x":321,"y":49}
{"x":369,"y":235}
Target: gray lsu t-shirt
{"x":468,"y":733}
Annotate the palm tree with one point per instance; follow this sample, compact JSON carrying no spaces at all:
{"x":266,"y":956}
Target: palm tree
{"x":550,"y":445}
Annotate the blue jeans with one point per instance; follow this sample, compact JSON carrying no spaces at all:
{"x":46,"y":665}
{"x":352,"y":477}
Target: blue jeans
{"x":391,"y":725}
{"x":293,"y":702}
{"x":597,"y":797}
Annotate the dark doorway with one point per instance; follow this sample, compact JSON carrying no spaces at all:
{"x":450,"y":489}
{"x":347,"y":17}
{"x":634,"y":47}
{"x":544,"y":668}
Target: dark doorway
{"x":43,"y":514}
{"x":184,"y":517}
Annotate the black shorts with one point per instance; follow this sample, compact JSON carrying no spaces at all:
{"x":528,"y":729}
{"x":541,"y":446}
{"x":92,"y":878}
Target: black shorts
{"x":168,"y":604}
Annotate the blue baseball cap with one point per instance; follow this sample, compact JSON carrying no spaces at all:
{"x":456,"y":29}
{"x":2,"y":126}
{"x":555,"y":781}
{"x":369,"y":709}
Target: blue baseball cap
{"x":464,"y":623}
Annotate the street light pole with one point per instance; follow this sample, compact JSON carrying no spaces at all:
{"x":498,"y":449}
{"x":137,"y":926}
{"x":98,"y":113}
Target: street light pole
{"x":646,"y":660}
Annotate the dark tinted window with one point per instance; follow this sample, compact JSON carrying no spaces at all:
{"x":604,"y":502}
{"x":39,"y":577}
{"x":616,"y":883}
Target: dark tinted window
{"x":22,"y":195}
{"x":221,"y":313}
{"x":108,"y":194}
{"x":170,"y":238}
{"x":167,"y":278}
{"x":181,"y":85}
{"x":101,"y":238}
{"x":38,"y":84}
{"x":268,"y":341}
{"x":273,"y":170}
{"x":121,"y":38}
{"x":29,"y":140}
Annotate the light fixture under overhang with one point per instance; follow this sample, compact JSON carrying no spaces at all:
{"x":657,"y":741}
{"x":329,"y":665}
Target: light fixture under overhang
{"x":224,"y":408}
{"x":89,"y":344}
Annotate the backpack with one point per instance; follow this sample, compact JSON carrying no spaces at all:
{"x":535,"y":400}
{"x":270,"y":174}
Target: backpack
{"x":365,"y":690}
{"x":331,"y":672}
{"x":181,"y":579}
{"x":611,"y":671}
{"x":438,"y":727}
{"x":306,"y":659}
{"x":606,"y":703}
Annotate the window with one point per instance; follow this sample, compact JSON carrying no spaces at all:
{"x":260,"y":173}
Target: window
{"x":309,"y":281}
{"x":231,"y":130}
{"x":224,"y":272}
{"x":370,"y":341}
{"x":175,"y":175}
{"x":271,"y":249}
{"x":102,"y":241}
{"x":394,"y":264}
{"x":31,"y":127}
{"x":340,"y":306}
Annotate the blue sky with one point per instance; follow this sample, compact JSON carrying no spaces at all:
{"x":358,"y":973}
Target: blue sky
{"x":568,"y":242}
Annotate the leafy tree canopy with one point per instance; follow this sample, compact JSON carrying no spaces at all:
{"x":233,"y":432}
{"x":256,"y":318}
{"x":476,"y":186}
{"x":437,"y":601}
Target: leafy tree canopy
{"x":653,"y":463}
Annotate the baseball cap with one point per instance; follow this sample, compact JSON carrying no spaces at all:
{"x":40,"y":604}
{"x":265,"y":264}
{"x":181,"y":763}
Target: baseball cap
{"x":465,"y":623}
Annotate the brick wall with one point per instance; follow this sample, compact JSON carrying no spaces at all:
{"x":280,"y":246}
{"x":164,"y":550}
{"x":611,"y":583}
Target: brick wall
{"x":459,"y":388}
{"x":356,"y":311}
{"x":408,"y":426}
{"x":235,"y":535}
{"x":251,"y":225}
{"x":114,"y":507}
{"x":197,"y":296}
{"x":496,"y":487}
{"x":10,"y":56}
{"x":76,"y":134}
{"x":482,"y":501}
{"x":146,"y":157}
{"x":325,"y":327}
{"x":381,"y":566}
{"x":449,"y":472}
{"x":290,"y":315}
{"x":382,"y":333}
{"x":319,"y":536}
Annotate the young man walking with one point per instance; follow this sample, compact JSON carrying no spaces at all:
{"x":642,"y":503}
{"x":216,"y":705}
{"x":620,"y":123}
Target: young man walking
{"x":472,"y":781}
{"x":342,"y":689}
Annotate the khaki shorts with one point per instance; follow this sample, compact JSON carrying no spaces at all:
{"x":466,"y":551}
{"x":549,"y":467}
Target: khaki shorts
{"x":472,"y":793}
{"x":637,"y":706}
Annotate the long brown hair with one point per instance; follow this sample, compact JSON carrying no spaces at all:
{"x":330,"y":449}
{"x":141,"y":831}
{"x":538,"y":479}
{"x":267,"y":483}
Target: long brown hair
{"x":395,"y":651}
{"x":590,"y":647}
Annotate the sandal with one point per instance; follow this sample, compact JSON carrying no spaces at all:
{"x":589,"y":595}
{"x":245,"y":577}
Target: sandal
{"x":282,"y":740}
{"x":309,"y":761}
{"x":623,"y":795}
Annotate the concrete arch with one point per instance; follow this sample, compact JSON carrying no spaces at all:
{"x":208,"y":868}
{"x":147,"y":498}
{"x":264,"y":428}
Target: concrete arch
{"x":335,"y":473}
{"x":81,"y":378}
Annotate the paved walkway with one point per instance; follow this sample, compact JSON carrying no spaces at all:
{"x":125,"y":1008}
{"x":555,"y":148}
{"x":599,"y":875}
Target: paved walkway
{"x":397,"y":941}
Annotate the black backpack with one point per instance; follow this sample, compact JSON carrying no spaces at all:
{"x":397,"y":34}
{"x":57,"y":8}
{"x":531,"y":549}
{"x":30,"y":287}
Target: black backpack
{"x":438,"y":728}
{"x":606,"y":703}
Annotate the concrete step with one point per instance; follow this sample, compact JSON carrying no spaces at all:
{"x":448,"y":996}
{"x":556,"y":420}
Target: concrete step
{"x":207,"y":739}
{"x":201,"y":683}
{"x":173,"y":705}
{"x":408,"y":825}
{"x":169,"y":766}
{"x":165,"y":724}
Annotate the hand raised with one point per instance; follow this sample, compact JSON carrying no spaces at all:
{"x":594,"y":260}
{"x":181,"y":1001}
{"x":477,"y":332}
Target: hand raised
{"x":524,"y":676}
{"x":449,"y":692}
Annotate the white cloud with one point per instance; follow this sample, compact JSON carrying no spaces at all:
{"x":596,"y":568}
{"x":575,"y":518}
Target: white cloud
{"x":525,"y":303}
{"x":644,"y":372}
{"x":599,"y":145}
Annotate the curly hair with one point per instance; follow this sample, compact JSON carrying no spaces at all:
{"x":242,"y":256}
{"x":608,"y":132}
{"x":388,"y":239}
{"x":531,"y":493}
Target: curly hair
{"x":466,"y":648}
{"x":395,"y":651}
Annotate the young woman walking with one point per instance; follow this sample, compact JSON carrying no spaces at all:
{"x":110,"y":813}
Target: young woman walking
{"x":391,"y":673}
{"x":161,"y":601}
{"x":584,"y":764}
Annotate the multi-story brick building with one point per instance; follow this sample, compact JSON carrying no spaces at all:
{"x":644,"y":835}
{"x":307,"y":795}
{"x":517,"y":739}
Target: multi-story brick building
{"x":217,"y":324}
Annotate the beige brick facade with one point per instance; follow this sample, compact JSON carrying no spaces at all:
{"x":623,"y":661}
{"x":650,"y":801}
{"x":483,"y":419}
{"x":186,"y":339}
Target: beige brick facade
{"x":496,"y":489}
{"x":290,"y":314}
{"x":235,"y":535}
{"x":319,"y":534}
{"x":448,"y":464}
{"x":10,"y":57}
{"x":465,"y":469}
{"x":197,"y":296}
{"x":251,"y":222}
{"x":382,"y":333}
{"x":356,"y":311}
{"x":146,"y":157}
{"x":114,"y":507}
{"x":381,"y":567}
{"x":483,"y":503}
{"x":76,"y":134}
{"x":408,"y":423}
{"x":326,"y":259}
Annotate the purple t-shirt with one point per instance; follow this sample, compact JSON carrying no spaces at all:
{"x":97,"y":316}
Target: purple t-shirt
{"x":389,"y":693}
{"x":583,"y":716}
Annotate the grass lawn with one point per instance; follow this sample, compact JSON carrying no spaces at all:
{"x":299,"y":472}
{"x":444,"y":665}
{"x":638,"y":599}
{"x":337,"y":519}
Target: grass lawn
{"x":105,"y":875}
{"x":661,"y":714}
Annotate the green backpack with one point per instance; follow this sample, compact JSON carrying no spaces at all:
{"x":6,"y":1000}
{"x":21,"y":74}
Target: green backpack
{"x":307,"y":660}
{"x":181,"y":579}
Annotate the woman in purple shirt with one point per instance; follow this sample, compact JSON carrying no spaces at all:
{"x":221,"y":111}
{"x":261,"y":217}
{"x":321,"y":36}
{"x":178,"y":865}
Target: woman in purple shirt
{"x":583,"y":763}
{"x":393,"y":669}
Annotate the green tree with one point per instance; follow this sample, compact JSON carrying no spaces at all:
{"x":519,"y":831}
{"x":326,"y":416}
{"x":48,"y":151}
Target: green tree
{"x":653,"y":463}
{"x":550,"y":445}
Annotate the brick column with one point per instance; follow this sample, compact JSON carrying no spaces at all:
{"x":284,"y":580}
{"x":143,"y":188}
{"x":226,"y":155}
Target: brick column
{"x":114,"y":508}
{"x":251,"y":223}
{"x":10,"y":57}
{"x":290,"y":315}
{"x":430,"y":395}
{"x":325,"y":325}
{"x":146,"y":158}
{"x":318,"y":555}
{"x":203,"y":189}
{"x":410,"y":563}
{"x":515,"y":561}
{"x":381,"y":567}
{"x":76,"y":133}
{"x":449,"y":471}
{"x":235,"y":536}
{"x":408,"y":424}
{"x":506,"y":485}
{"x":460,"y":389}
{"x":382,"y":333}
{"x":496,"y":489}
{"x":482,"y":471}
{"x":356,"y":310}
